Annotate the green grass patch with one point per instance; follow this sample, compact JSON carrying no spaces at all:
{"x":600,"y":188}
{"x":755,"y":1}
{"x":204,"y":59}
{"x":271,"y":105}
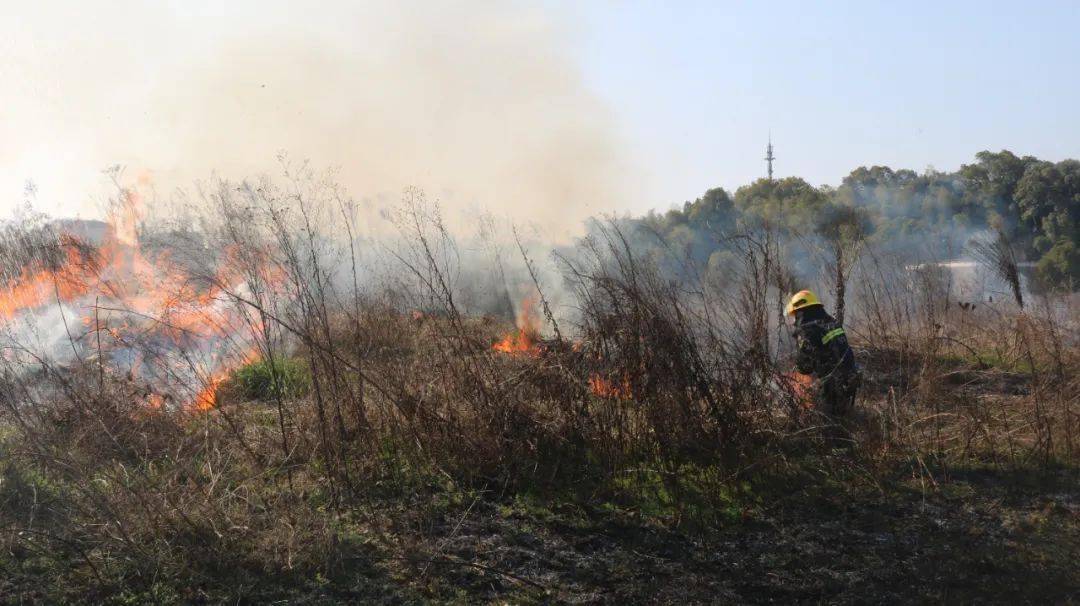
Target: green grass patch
{"x":692,"y":497}
{"x":270,"y":378}
{"x":989,"y":359}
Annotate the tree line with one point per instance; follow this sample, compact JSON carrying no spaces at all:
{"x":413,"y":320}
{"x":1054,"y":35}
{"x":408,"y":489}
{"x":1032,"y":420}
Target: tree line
{"x":1032,"y":205}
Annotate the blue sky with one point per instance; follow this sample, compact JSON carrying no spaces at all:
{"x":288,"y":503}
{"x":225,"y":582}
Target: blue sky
{"x":547,"y":111}
{"x":696,"y":87}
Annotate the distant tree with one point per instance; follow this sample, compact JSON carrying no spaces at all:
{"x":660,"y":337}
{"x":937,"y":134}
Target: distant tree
{"x":991,"y":183}
{"x":715,"y":210}
{"x":1060,"y":266}
{"x":1048,"y":198}
{"x":1033,"y":205}
{"x":844,"y":229}
{"x":787,"y":203}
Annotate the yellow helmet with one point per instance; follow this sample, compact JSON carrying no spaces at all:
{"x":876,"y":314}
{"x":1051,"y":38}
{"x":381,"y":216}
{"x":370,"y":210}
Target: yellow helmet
{"x":800,"y":300}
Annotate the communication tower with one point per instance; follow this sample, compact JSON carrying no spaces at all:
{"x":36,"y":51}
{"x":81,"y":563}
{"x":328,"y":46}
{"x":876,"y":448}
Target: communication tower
{"x":769,"y":157}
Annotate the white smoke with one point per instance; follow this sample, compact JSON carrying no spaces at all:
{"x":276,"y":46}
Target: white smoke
{"x":482,"y":105}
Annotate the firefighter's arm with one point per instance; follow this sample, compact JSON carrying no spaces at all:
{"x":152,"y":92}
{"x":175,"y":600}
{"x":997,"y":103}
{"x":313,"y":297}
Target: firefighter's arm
{"x":806,"y":356}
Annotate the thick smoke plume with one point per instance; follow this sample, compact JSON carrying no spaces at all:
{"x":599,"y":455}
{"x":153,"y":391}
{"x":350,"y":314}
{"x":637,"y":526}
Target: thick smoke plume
{"x":478,"y":104}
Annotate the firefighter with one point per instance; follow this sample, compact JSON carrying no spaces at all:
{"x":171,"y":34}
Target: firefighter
{"x":824,"y":353}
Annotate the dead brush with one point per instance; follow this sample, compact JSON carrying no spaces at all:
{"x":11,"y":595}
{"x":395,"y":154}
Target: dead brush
{"x":144,"y":495}
{"x":655,"y":389}
{"x":966,"y":385}
{"x":699,"y":378}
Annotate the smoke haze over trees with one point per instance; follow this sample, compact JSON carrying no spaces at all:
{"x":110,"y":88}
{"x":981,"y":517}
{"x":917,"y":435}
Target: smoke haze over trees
{"x":1032,"y":204}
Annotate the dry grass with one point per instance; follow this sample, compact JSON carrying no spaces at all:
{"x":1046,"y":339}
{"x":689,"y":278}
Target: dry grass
{"x":414,"y":430}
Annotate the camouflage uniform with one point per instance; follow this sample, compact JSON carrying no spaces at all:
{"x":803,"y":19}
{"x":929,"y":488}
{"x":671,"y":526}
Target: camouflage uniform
{"x":823,"y":352}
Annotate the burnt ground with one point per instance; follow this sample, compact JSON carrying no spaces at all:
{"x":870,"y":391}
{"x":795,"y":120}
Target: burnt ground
{"x":966,"y":536}
{"x":977,"y":536}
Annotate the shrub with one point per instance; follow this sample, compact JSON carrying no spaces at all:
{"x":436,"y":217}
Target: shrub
{"x":257,"y":379}
{"x":1060,"y":266}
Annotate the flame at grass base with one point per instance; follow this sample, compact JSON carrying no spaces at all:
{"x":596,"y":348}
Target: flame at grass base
{"x":802,"y":387}
{"x":207,"y":397}
{"x":525,"y":340}
{"x":520,"y":342}
{"x":179,"y":333}
{"x":604,"y":388}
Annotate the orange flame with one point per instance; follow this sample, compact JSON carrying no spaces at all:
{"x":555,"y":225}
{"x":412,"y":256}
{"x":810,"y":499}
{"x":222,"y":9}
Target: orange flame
{"x":37,"y":286}
{"x":525,"y":339}
{"x":520,"y":342}
{"x":125,"y":215}
{"x":802,"y":387}
{"x":206,"y":398}
{"x":157,"y":291}
{"x":604,"y":388}
{"x":155,"y":401}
